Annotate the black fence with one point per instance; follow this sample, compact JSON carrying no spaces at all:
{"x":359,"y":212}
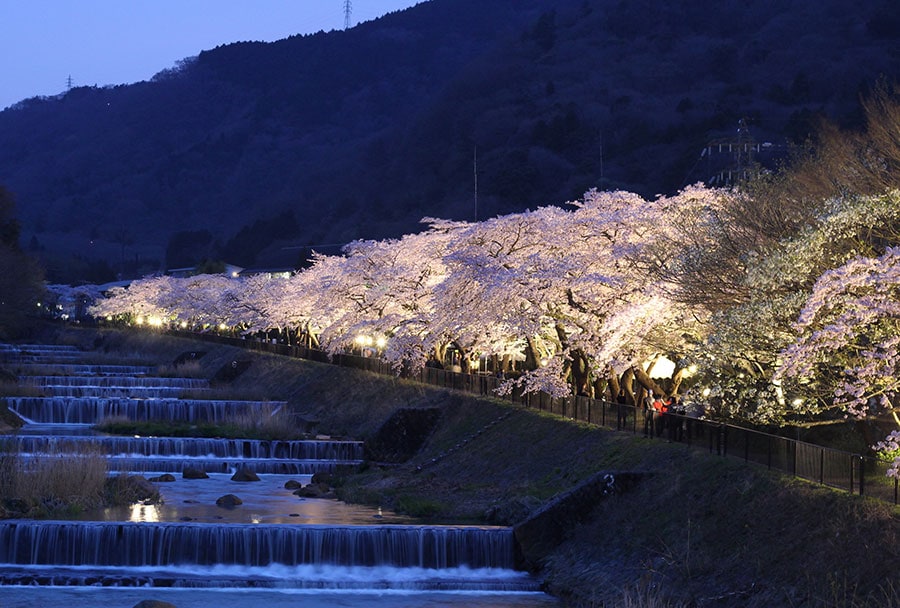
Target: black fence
{"x":854,"y":473}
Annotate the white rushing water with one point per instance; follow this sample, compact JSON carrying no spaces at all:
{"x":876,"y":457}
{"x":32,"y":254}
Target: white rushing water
{"x":90,"y":597}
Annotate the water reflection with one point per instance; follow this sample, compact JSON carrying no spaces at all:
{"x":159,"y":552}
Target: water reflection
{"x":144,"y":513}
{"x":265,"y":502}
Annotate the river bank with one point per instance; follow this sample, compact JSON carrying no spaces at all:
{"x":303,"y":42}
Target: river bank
{"x":697,"y":530}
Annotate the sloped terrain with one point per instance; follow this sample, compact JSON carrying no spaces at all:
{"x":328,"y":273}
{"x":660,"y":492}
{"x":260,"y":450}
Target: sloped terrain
{"x":697,"y":530}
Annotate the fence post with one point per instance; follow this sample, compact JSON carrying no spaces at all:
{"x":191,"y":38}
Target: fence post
{"x":862,"y":476}
{"x":821,"y":466}
{"x":794,"y":463}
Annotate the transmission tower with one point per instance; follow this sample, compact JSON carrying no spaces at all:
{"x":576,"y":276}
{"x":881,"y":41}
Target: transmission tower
{"x":348,"y":11}
{"x":69,"y":82}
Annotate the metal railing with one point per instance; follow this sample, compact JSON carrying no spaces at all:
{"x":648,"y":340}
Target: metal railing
{"x":839,"y":469}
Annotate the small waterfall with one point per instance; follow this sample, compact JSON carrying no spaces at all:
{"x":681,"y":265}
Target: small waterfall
{"x":90,"y":369}
{"x":262,"y":466}
{"x":169,"y":544}
{"x":44,"y":358}
{"x":120,"y":392}
{"x":61,"y":410}
{"x":173,"y":464}
{"x":191,"y":447}
{"x":4,"y":347}
{"x":114,"y":382}
{"x":309,"y":577}
{"x":38,"y":353}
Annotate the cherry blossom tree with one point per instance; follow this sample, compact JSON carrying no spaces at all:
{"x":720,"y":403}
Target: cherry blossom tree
{"x":137,"y":302}
{"x":846,"y":357}
{"x":573,"y":288}
{"x":382,"y":292}
{"x":585,"y":295}
{"x":741,"y":356}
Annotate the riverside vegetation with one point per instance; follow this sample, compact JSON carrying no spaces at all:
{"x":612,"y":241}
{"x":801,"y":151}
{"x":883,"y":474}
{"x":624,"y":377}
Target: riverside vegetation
{"x":697,"y":530}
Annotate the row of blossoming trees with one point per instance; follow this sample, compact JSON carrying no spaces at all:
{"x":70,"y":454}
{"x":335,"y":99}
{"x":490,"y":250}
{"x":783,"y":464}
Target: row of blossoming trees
{"x":783,"y":317}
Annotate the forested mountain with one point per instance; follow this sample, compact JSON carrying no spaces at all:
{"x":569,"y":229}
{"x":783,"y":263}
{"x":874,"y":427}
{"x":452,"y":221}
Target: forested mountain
{"x":251,"y":152}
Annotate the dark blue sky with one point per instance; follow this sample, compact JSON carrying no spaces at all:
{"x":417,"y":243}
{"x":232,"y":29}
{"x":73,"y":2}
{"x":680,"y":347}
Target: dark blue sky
{"x":108,"y":42}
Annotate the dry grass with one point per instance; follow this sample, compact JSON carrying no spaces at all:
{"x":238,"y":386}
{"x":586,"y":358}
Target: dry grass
{"x":67,"y":480}
{"x":188,"y":369}
{"x":14,"y":389}
{"x":276,"y":422}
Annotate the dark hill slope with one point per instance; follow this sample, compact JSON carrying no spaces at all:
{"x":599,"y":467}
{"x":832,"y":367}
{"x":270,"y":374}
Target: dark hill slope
{"x":361,"y":133}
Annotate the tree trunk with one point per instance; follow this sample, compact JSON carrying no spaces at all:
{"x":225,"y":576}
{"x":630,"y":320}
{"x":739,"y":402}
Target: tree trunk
{"x":581,"y":374}
{"x":531,"y":359}
{"x":646,"y":381}
{"x":626,"y":385}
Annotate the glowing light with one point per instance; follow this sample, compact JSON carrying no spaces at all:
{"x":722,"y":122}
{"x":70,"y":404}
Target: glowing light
{"x":183,"y":324}
{"x":706,"y":392}
{"x":663,"y":368}
{"x":380,"y":341}
{"x":797,"y":402}
{"x":139,"y":321}
{"x":144,"y":513}
{"x":222,"y":327}
{"x":154,"y":321}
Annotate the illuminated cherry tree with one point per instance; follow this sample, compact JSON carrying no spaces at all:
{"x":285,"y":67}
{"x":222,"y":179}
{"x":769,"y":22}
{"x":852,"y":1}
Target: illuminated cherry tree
{"x":588,"y":296}
{"x":138,"y":302}
{"x":573,"y":290}
{"x":741,"y":357}
{"x":380,"y":290}
{"x":847,"y":356}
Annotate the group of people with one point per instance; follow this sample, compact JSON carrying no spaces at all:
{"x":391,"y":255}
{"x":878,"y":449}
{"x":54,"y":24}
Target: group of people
{"x":657,"y":415}
{"x":657,"y":418}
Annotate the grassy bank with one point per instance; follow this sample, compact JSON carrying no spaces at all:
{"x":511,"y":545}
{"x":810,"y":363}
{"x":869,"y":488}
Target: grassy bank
{"x":699,"y":530}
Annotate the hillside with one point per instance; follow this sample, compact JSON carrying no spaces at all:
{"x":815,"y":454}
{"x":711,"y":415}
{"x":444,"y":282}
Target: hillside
{"x":253,"y":152}
{"x":697,"y":530}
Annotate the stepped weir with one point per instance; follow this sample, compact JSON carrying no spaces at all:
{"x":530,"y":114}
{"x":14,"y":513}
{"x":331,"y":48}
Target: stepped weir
{"x":270,"y":546}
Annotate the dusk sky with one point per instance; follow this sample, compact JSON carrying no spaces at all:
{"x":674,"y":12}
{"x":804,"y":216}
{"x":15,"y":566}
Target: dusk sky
{"x":109,"y":42}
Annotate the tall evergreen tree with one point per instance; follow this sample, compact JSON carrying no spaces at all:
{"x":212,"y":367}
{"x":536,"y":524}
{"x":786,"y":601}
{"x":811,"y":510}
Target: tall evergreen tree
{"x":21,"y":279}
